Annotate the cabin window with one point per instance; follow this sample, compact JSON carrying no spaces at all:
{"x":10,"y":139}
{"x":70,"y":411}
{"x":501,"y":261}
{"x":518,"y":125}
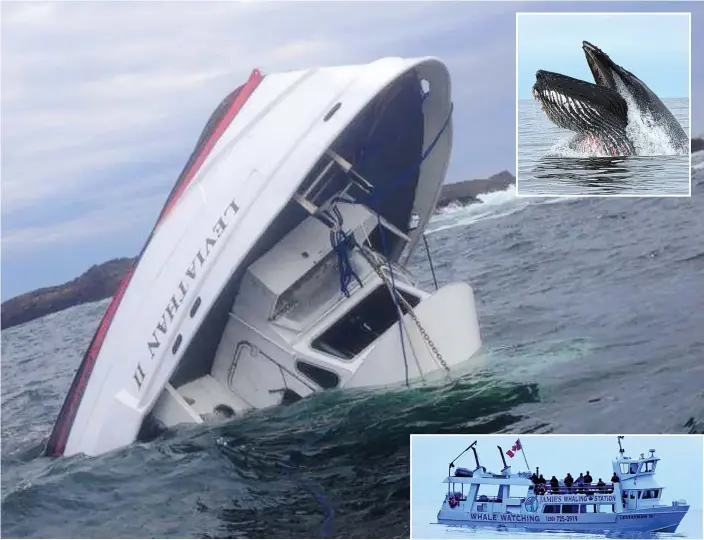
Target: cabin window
{"x":320,"y":376}
{"x":551,"y":509}
{"x":363,"y":324}
{"x":625,"y":468}
{"x":588,"y":509}
{"x":570,"y":509}
{"x":648,"y":466}
{"x":650,"y":493}
{"x":606,"y":509}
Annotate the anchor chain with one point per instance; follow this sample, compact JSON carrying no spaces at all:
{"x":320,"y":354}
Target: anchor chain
{"x":423,"y":332}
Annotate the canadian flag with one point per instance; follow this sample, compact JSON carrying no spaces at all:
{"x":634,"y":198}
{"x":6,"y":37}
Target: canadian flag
{"x":515,"y":448}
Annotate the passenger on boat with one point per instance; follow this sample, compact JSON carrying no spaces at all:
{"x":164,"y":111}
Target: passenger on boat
{"x":534,"y":478}
{"x":555,"y":484}
{"x":542,"y":480}
{"x":568,"y":481}
{"x":600,"y":484}
{"x":580,"y":483}
{"x":588,"y":478}
{"x":614,"y":478}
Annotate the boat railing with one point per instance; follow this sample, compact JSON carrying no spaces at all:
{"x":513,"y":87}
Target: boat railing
{"x":587,"y":489}
{"x":486,"y":498}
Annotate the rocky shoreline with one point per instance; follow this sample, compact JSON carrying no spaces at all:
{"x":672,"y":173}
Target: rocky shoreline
{"x":98,"y":282}
{"x":101,"y":281}
{"x":697,"y":144}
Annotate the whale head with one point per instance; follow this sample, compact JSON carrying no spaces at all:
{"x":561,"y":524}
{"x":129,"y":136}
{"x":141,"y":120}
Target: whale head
{"x":609,"y":74}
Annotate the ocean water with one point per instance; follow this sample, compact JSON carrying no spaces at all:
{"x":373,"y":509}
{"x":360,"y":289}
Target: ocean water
{"x":591,"y":313}
{"x":546,"y":166}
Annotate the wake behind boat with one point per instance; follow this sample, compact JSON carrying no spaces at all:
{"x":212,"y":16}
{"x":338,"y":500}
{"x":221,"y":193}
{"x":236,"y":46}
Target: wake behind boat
{"x":631,"y":501}
{"x":276,"y":267}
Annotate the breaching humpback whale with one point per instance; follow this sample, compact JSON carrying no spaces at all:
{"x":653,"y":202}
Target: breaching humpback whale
{"x":598,"y":113}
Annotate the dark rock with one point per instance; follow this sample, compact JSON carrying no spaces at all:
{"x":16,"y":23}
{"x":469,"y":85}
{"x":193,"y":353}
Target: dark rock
{"x":697,"y":144}
{"x":467,"y":192}
{"x":99,"y":282}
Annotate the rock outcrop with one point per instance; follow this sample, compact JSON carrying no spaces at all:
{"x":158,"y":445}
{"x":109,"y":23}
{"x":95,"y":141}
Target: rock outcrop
{"x":101,"y":281}
{"x":467,"y":192}
{"x":697,"y":144}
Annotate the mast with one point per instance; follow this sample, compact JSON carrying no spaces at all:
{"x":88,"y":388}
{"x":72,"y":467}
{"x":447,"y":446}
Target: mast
{"x":501,"y":453}
{"x":452,"y":463}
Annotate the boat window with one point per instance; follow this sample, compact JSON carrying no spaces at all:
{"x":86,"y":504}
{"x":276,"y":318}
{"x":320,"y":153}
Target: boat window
{"x":570,"y":509}
{"x":551,"y":509}
{"x":588,"y":509}
{"x":648,"y":466}
{"x":363,"y":324}
{"x":321,"y":377}
{"x":625,"y":467}
{"x":606,"y":509}
{"x":650,"y":494}
{"x":314,"y":291}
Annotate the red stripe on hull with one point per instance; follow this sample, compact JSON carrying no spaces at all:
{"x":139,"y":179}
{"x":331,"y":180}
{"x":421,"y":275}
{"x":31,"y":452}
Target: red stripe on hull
{"x":59,"y":436}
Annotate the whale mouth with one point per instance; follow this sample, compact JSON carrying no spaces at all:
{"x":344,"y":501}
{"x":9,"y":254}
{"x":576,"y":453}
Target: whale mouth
{"x":600,"y":65}
{"x":579,"y":106}
{"x":598,"y":114}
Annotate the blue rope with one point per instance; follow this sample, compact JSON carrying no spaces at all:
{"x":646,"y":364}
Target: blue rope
{"x":342,"y":246}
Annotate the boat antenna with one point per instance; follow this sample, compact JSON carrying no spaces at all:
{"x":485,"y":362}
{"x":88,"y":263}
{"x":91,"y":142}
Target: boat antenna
{"x":430,"y":260}
{"x":620,"y":448}
{"x":452,"y":463}
{"x":501,"y":453}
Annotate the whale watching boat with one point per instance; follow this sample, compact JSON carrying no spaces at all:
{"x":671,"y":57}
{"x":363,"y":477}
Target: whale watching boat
{"x":276,"y":268}
{"x":631,"y":501}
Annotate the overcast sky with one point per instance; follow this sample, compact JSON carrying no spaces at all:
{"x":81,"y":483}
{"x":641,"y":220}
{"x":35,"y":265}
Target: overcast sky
{"x":680,"y":471}
{"x":655,"y":47}
{"x":102,"y":102}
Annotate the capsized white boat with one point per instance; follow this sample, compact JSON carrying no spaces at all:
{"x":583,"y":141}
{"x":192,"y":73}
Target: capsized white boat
{"x":275,"y":268}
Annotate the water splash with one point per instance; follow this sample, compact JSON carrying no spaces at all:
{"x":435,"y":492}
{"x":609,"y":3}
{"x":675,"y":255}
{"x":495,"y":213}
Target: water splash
{"x":648,"y":137}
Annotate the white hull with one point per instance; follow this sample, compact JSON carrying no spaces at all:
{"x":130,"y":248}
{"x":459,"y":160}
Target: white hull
{"x":194,"y":327}
{"x":653,"y":520}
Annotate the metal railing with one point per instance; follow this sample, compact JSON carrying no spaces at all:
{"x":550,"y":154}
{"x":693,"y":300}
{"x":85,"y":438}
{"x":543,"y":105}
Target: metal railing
{"x":585,"y":489}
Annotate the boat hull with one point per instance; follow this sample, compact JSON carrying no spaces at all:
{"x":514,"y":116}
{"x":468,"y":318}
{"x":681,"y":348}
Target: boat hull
{"x":661,"y":519}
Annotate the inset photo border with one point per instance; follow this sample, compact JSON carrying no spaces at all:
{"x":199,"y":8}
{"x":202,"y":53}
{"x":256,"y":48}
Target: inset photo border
{"x":475,"y":485}
{"x":603,"y":104}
